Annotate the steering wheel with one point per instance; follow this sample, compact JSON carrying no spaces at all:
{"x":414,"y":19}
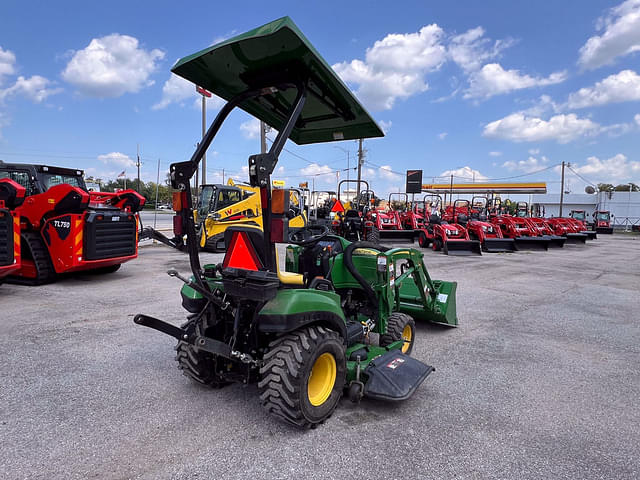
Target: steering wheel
{"x":308,"y":235}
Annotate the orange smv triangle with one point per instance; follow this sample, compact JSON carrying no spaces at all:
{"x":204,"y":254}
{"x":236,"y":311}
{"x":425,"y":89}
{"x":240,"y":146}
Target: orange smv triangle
{"x":241,"y":253}
{"x":337,"y":207}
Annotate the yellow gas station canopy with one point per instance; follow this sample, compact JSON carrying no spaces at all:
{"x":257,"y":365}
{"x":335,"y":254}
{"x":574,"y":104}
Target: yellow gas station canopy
{"x":530,"y":187}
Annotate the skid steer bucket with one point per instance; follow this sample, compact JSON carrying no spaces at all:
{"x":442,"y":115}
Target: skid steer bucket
{"x":576,"y":238}
{"x":499,"y":245}
{"x":462,"y":247}
{"x":532,"y":243}
{"x":555,"y":241}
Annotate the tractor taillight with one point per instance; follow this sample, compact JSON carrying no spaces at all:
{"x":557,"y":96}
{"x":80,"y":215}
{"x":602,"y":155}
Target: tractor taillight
{"x":179,"y":201}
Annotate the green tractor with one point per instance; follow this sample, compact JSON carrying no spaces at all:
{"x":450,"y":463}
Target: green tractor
{"x":301,"y":326}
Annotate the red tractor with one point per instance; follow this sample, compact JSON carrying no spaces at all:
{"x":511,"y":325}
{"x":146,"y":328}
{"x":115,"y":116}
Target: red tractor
{"x":64,"y":228}
{"x":578,"y":218}
{"x":525,"y":235}
{"x":602,"y":222}
{"x":390,"y":222}
{"x":474,"y":218}
{"x":11,"y":196}
{"x":451,"y":238}
{"x":539,"y":225}
{"x":568,"y":229}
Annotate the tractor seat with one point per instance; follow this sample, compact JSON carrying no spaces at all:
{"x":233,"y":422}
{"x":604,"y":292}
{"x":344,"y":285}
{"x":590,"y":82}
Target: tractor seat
{"x":352,"y":214}
{"x":462,"y":219}
{"x":435,"y":220}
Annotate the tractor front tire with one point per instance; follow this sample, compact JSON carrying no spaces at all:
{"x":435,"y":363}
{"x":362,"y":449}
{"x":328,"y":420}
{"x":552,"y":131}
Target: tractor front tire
{"x":437,"y":244}
{"x":423,"y":241}
{"x":400,"y":326}
{"x":373,"y":235}
{"x":303,"y":375}
{"x":198,"y":366}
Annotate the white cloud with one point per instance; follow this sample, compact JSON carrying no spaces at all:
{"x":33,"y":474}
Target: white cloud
{"x":637,"y":118}
{"x":620,"y":87}
{"x":471,"y":49}
{"x":495,"y":154}
{"x":529,"y":165}
{"x":175,"y":90}
{"x":395,"y":67}
{"x":4,"y":122}
{"x":386,"y":173}
{"x":442,"y":135}
{"x":465,"y":172}
{"x":34,"y":88}
{"x":111,"y":66}
{"x":620,"y":36}
{"x":7,"y":62}
{"x":117,"y":158}
{"x":492,"y":80}
{"x":534,"y":151}
{"x":519,"y":127}
{"x":385,"y":126}
{"x":617,"y":169}
{"x":251,"y":128}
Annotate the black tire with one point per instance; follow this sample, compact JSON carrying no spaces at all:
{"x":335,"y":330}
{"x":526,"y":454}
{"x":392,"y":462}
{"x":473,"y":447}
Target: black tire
{"x":198,"y":366}
{"x":400,"y":326}
{"x":374,"y":235}
{"x":437,"y":244}
{"x":34,"y":249}
{"x":423,"y":241}
{"x":286,"y":372}
{"x":215,"y":244}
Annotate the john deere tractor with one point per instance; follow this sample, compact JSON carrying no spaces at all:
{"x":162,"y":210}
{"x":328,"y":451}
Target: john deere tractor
{"x":302,"y":326}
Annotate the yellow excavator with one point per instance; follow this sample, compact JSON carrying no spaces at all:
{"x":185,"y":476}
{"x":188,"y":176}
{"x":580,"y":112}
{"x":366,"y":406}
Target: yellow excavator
{"x":221,"y":206}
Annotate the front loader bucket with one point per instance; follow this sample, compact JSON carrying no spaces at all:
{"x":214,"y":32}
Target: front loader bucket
{"x":499,"y":245}
{"x":441,"y":310}
{"x":591,"y":234}
{"x":555,"y":241}
{"x":532,"y":243}
{"x":462,"y":247}
{"x":576,"y":238}
{"x":398,"y":235}
{"x":605,"y":230}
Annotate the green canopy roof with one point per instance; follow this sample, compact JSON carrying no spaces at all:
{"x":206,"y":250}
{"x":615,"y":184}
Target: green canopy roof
{"x":279,"y":53}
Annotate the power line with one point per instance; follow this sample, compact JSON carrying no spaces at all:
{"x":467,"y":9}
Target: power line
{"x":581,"y":177}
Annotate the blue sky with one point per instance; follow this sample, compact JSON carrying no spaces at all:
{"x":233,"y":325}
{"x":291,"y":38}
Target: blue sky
{"x":490,"y":90}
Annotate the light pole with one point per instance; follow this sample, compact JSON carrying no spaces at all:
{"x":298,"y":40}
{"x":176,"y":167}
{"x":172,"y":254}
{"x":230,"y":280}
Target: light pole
{"x":348,"y":159}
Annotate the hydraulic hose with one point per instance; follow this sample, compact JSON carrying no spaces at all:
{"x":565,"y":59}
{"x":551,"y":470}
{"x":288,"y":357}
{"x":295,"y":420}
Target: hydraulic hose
{"x":348,"y":262}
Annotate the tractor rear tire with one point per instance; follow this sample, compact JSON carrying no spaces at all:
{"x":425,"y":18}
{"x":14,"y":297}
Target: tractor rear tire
{"x":303,"y":375}
{"x":34,"y":249}
{"x":437,"y":244}
{"x":198,"y":366}
{"x":400,"y":326}
{"x":374,"y":235}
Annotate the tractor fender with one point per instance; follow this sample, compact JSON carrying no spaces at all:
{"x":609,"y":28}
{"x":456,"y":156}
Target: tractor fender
{"x":292,"y":309}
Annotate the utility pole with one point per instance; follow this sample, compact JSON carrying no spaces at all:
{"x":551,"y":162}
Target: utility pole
{"x":360,"y":162}
{"x":223,"y":176}
{"x":138,"y":165}
{"x":263,"y":137}
{"x":204,"y":128}
{"x":561,"y":190}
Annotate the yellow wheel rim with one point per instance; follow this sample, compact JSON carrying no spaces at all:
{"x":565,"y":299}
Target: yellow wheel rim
{"x":322,"y":379}
{"x":407,"y":336}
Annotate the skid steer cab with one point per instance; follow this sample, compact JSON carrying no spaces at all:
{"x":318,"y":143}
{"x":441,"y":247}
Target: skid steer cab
{"x":65,"y":228}
{"x":299,"y":324}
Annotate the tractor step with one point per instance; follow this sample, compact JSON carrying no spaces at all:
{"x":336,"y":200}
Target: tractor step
{"x":462,"y":247}
{"x":394,"y":376}
{"x":499,"y":245}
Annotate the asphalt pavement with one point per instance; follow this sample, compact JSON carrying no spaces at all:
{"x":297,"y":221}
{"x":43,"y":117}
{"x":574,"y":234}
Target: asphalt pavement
{"x":541,"y":380}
